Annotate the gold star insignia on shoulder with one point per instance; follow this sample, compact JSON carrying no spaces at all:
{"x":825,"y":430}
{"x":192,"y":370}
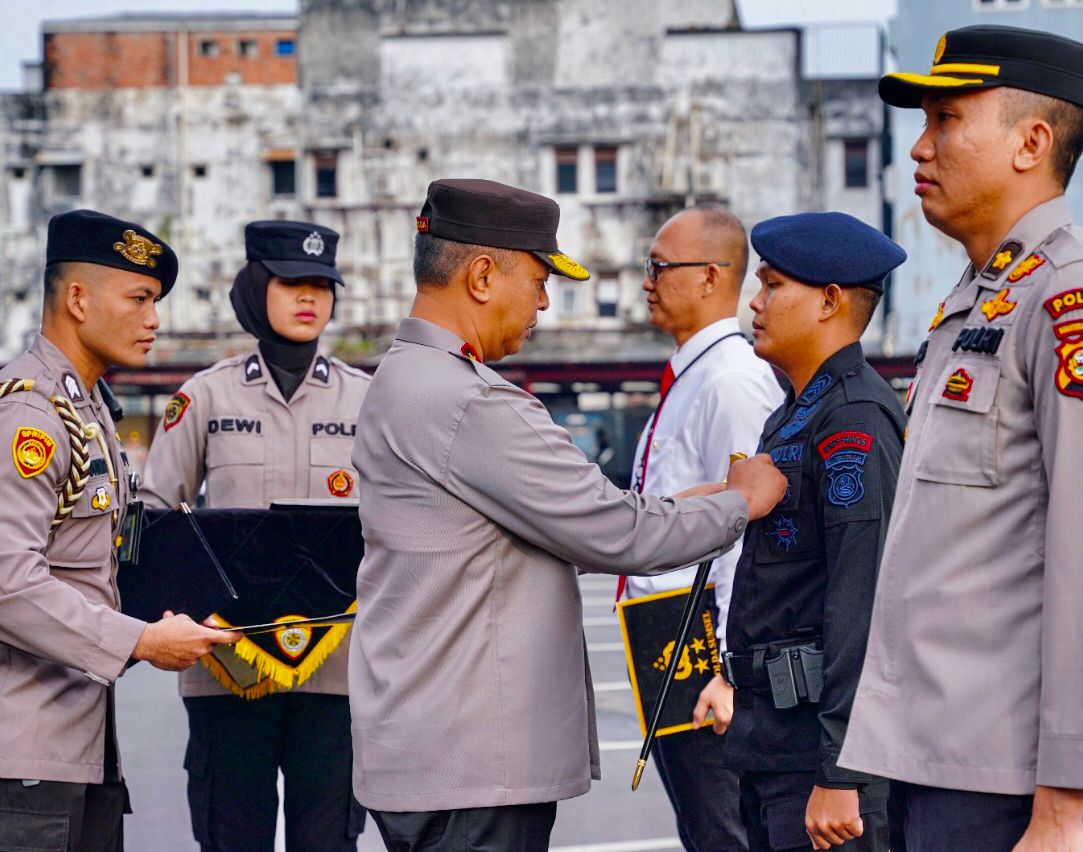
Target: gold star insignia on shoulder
{"x":1002,"y":260}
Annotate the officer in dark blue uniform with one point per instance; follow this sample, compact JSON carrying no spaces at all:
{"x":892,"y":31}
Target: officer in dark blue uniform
{"x":803,"y":589}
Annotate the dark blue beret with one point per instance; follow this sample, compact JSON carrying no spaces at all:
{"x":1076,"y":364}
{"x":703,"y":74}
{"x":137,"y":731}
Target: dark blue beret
{"x":293,"y":249}
{"x":87,"y":236}
{"x":827,"y":248}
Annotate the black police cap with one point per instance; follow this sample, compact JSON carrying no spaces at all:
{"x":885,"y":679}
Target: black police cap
{"x":87,"y":236}
{"x":487,"y":213}
{"x":827,"y":248}
{"x":293,"y":249}
{"x":988,"y":56}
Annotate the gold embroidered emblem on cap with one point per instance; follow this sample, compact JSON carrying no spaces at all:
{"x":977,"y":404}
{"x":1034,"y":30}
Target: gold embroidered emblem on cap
{"x":941,"y":46}
{"x":138,"y":249}
{"x":569,"y":267}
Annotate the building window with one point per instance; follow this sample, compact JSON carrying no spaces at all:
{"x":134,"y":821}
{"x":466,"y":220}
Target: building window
{"x":199,"y":170}
{"x":247,"y":47}
{"x":567,"y":170}
{"x":1000,"y":5}
{"x":18,"y":172}
{"x":283,"y":178}
{"x":67,"y":181}
{"x":327,"y":176}
{"x":207,"y":47}
{"x":569,"y":298}
{"x":202,"y":294}
{"x":607,"y":295}
{"x":147,"y":170}
{"x":857,"y":163}
{"x":605,"y":169}
{"x":284,"y":47}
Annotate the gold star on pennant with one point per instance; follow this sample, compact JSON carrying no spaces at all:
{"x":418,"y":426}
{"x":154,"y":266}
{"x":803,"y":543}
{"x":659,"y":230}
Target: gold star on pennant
{"x":702,"y":665}
{"x":697,"y":645}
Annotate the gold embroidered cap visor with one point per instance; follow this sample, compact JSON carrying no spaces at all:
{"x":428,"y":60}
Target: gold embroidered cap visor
{"x":988,"y":56}
{"x":87,"y":236}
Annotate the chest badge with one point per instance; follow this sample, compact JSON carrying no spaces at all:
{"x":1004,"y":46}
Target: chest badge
{"x":958,"y":386}
{"x":784,"y":532}
{"x":101,"y":501}
{"x":1025,"y":268}
{"x":32,"y":451}
{"x":1069,"y":377}
{"x":938,"y":318}
{"x":340,"y":483}
{"x":998,"y":306}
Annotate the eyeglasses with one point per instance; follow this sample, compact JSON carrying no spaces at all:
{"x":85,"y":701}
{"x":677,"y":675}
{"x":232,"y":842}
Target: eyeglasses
{"x":653,"y":268}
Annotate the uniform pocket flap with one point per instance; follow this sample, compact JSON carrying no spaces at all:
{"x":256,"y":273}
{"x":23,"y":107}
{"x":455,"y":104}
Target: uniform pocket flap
{"x":969,"y":385}
{"x":234,"y":449}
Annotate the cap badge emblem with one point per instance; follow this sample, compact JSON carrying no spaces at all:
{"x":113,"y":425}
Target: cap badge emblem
{"x":138,"y":249}
{"x":941,"y":46}
{"x":313,"y":244}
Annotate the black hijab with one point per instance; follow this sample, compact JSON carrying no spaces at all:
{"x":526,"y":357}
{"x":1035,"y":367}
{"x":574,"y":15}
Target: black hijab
{"x":288,"y":360}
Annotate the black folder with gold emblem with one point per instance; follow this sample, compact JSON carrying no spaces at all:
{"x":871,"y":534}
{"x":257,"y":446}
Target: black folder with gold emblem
{"x":648,"y":626}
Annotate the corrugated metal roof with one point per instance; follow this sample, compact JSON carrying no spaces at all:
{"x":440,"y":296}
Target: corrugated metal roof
{"x":842,"y":52}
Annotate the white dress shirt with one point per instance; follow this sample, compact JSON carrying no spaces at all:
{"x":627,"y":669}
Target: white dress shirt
{"x":716,"y":408}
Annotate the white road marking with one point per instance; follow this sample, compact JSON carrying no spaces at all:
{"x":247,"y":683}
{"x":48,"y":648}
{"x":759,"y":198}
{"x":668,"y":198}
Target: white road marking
{"x":621,"y":745}
{"x":623,"y":846}
{"x":612,"y":686}
{"x":600,"y":621}
{"x":605,"y":646}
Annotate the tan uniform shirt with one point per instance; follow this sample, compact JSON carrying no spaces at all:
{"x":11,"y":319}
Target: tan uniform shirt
{"x":230,"y":428}
{"x":469,"y":684}
{"x":973,"y":678}
{"x":62,"y":641}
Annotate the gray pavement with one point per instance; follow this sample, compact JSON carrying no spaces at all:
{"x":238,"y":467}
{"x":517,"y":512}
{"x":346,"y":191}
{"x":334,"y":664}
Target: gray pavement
{"x":610,"y":818}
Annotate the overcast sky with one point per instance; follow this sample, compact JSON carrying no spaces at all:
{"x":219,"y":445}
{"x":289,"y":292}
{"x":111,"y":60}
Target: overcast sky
{"x":20,"y":35}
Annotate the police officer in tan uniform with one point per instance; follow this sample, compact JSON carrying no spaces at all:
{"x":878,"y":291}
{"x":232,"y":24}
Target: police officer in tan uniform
{"x":971,"y":695}
{"x":275,"y":424}
{"x":63,"y":496}
{"x":471,"y":697}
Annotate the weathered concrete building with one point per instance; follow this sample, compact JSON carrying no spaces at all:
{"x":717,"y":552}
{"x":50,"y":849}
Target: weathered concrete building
{"x":624,"y":110}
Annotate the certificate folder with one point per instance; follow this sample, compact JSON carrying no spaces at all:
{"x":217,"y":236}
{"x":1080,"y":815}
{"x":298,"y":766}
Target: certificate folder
{"x":177,"y":569}
{"x":649,"y":626}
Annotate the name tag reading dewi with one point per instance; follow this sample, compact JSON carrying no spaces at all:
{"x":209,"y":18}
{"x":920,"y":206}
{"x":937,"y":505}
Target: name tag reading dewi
{"x":649,"y":628}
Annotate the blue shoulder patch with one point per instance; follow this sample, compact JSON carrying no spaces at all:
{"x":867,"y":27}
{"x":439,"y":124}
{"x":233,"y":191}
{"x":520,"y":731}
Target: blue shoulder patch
{"x":844,"y":455}
{"x":798,"y":422}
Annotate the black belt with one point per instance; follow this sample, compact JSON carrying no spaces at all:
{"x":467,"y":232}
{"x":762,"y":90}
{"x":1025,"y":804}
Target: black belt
{"x":790,"y":671}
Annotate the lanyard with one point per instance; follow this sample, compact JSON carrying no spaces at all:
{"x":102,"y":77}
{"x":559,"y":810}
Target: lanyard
{"x":641,"y":472}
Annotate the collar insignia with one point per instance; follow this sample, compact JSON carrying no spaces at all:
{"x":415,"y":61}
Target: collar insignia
{"x":252,"y":369}
{"x":322,"y":370}
{"x":1002,"y":259}
{"x":815,"y":389}
{"x":469,"y":352}
{"x":938,"y":318}
{"x":1025,"y":268}
{"x":138,"y":249}
{"x":71,"y":387}
{"x":999,"y":305}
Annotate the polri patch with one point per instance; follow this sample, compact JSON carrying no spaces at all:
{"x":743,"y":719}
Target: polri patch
{"x":958,"y":386}
{"x":32,"y":450}
{"x":1025,"y":268}
{"x":788,"y":453}
{"x":998,"y":306}
{"x":798,"y":422}
{"x":981,"y":339}
{"x":1069,"y":377}
{"x":1058,"y":305}
{"x":174,"y":410}
{"x":340,"y":483}
{"x":844,"y":455}
{"x":1002,"y":258}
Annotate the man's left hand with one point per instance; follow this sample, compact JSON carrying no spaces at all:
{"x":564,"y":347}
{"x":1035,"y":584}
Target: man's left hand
{"x":832,"y":817}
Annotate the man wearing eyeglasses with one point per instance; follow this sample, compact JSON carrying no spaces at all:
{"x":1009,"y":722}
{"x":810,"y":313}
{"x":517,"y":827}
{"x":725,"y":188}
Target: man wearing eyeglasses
{"x":715,"y":396}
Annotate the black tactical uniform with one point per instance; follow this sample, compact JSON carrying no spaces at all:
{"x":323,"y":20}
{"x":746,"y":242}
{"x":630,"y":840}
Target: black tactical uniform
{"x":804,"y":586}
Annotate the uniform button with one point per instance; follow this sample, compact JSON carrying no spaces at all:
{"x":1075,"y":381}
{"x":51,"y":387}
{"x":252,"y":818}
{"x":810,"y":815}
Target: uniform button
{"x":654,"y":445}
{"x":739,"y":527}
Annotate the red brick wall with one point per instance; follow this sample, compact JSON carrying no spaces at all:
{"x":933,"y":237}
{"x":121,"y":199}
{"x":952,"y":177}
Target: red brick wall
{"x":136,"y":60}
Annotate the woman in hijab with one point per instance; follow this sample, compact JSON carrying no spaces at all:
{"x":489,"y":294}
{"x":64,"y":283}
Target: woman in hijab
{"x":274,"y":424}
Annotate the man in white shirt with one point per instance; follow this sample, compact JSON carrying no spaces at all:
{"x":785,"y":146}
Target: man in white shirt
{"x":716,"y":396}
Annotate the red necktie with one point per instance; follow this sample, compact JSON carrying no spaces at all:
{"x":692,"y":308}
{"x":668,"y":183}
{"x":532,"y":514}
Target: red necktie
{"x":668,"y":378}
